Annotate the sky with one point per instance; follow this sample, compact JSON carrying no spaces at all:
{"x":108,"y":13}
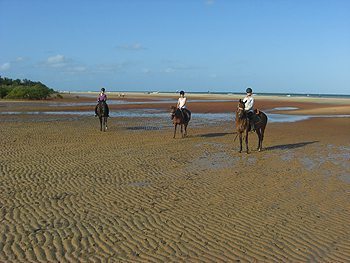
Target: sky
{"x":283,"y":46}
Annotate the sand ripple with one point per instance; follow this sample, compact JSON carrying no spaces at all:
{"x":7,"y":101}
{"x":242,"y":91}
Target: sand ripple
{"x":70,"y":193}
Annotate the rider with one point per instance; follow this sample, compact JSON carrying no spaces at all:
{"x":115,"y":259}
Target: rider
{"x":102,"y":97}
{"x":181,"y":104}
{"x":249,"y":107}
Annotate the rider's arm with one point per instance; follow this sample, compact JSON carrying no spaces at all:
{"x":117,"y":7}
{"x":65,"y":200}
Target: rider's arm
{"x":249,"y":104}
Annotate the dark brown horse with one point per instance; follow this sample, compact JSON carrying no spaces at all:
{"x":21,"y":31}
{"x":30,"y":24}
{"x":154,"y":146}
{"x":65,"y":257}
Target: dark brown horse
{"x":243,"y":125}
{"x":102,"y":113}
{"x":180,"y":118}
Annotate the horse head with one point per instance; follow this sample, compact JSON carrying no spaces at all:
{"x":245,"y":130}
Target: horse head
{"x":241,"y":109}
{"x":173,"y":111}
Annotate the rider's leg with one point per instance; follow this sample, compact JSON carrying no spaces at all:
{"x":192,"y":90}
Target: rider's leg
{"x":187,"y":112}
{"x":182,"y":113}
{"x":251,"y":121}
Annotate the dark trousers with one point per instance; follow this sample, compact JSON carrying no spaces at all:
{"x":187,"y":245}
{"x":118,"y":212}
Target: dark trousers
{"x":251,"y":118}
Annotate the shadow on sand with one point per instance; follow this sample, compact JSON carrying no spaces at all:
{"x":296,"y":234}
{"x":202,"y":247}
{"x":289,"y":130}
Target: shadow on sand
{"x":288,"y":146}
{"x":215,"y":134}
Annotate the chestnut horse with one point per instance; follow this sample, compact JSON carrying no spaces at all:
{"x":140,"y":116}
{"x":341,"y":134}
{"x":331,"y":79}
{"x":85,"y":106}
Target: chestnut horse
{"x":102,"y":113}
{"x":179,"y":119}
{"x":243,"y":125}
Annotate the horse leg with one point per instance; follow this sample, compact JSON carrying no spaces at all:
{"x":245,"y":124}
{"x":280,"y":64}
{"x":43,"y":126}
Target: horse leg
{"x":100,"y":123}
{"x":175,"y":125}
{"x":106,"y":118}
{"x":240,"y":142}
{"x":182,"y":130}
{"x":262,"y":136}
{"x":186,"y":129}
{"x":246,"y":141}
{"x":104,"y":124}
{"x":258,"y":133}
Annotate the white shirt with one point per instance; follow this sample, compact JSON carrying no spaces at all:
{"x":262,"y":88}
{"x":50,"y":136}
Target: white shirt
{"x":181,"y":103}
{"x":249,"y":103}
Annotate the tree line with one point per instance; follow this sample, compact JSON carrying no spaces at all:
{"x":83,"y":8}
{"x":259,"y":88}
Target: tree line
{"x":23,"y":89}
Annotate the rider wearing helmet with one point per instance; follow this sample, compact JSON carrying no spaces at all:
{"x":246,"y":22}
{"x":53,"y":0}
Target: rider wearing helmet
{"x":102,"y":97}
{"x":249,"y":106}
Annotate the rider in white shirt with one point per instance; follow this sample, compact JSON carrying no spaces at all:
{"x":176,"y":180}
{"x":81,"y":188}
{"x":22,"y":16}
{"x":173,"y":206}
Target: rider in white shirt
{"x":249,"y":106}
{"x":181,"y":103}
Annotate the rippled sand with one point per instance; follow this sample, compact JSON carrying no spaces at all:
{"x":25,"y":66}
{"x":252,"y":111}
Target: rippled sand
{"x":71,"y":193}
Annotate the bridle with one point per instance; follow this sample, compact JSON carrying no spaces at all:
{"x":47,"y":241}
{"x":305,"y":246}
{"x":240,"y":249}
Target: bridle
{"x":240,"y":112}
{"x":173,"y":113}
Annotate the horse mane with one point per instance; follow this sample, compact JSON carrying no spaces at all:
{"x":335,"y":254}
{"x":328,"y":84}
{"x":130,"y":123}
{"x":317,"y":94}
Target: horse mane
{"x":175,"y":111}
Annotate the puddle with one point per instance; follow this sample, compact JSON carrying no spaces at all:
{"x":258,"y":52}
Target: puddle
{"x":309,"y":163}
{"x":345,"y":178}
{"x":197,"y":118}
{"x":283,"y":108}
{"x":287,"y":156}
{"x":213,"y":161}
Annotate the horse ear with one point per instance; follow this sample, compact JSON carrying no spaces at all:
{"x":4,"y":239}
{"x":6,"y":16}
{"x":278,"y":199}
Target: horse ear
{"x":240,"y":100}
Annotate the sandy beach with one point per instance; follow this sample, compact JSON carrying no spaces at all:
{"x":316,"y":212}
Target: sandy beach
{"x":70,"y":193}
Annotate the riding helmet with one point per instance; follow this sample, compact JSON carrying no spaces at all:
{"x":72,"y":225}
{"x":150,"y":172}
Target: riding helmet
{"x":182,"y":92}
{"x":103,"y":89}
{"x":249,"y":90}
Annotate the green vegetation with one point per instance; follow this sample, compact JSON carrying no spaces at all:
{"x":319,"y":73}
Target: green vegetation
{"x":23,"y":89}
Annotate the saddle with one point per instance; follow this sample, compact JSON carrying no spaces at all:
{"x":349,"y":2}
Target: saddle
{"x":255,"y":118}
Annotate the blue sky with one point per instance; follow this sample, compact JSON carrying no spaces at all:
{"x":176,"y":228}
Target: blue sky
{"x":195,"y":45}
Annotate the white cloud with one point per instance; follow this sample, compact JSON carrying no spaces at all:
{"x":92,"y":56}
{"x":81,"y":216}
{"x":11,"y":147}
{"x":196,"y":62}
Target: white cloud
{"x":146,"y":71}
{"x":169,"y":70}
{"x":5,"y":66}
{"x":56,"y":61}
{"x":209,"y":2}
{"x":136,"y":46}
{"x":19,"y":59}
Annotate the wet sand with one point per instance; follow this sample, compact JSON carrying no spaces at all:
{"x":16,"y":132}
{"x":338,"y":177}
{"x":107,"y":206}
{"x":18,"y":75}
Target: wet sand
{"x":70,"y":193}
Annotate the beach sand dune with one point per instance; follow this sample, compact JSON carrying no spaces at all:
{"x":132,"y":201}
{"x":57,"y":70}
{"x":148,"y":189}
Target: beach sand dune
{"x":69,"y":192}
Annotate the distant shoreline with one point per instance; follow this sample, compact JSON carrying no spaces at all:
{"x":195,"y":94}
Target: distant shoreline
{"x":207,"y":94}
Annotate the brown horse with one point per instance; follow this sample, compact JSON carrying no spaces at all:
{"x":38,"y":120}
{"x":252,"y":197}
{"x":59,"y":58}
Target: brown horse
{"x":102,"y":113}
{"x":179,"y":119}
{"x":243,"y":125}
